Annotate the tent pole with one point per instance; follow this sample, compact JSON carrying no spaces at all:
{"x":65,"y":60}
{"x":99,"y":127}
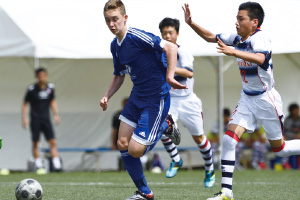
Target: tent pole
{"x":36,"y":62}
{"x":220,"y":105}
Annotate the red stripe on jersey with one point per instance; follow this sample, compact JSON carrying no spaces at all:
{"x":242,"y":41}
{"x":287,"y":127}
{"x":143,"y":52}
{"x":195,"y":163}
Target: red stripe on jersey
{"x":202,"y":147}
{"x":233,"y":135}
{"x":277,"y":149}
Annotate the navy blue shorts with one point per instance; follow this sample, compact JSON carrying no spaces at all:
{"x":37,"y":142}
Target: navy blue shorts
{"x":146,"y":118}
{"x":41,"y":125}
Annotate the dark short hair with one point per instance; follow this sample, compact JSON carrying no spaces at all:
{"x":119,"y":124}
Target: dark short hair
{"x":255,"y":11}
{"x":114,"y":4}
{"x":169,"y":22}
{"x":226,"y":112}
{"x":40,"y":69}
{"x":293,"y":106}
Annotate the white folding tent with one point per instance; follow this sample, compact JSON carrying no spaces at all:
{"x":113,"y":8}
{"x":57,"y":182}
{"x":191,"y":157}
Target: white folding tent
{"x":71,"y":39}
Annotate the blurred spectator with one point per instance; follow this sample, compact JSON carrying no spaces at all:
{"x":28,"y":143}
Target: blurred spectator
{"x":257,"y":140}
{"x":292,"y":123}
{"x":41,"y":96}
{"x":292,"y":131}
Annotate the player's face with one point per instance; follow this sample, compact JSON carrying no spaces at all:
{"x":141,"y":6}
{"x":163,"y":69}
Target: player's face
{"x":115,"y":21}
{"x":42,"y":77}
{"x":170,"y":34}
{"x":244,"y":25}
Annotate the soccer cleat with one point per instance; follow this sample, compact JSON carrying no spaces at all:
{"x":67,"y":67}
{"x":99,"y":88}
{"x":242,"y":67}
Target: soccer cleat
{"x":140,"y":195}
{"x":174,"y":167}
{"x":172,"y":132}
{"x":221,"y":196}
{"x":210,"y":179}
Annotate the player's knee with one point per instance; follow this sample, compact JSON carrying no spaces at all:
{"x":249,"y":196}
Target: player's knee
{"x":135,"y":153}
{"x":199,"y":139}
{"x":122,"y":144}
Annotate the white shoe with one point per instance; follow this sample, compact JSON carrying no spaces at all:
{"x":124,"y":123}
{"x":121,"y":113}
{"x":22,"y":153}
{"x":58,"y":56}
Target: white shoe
{"x":221,"y":196}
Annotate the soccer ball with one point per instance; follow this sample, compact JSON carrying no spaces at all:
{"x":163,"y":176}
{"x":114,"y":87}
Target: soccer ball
{"x":29,"y":189}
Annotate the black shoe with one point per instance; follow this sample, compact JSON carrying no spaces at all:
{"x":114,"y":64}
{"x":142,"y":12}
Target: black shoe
{"x":172,"y":132}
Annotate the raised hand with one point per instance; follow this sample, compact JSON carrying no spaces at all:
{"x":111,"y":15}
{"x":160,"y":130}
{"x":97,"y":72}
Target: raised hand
{"x":187,"y":13}
{"x":223,"y":48}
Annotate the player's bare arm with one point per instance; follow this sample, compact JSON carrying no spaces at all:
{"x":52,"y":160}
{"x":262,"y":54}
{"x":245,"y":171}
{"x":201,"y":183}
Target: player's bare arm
{"x":202,"y":32}
{"x":54,"y":108}
{"x":184,"y":72}
{"x":24,"y":115}
{"x":258,"y":58}
{"x":171,"y":53}
{"x":115,"y":84}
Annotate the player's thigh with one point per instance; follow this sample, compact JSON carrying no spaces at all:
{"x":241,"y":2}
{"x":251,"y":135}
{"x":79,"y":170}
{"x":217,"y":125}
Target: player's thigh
{"x":35,"y":127}
{"x":191,"y":115}
{"x":270,"y":115}
{"x":242,"y":119}
{"x":47,"y":129}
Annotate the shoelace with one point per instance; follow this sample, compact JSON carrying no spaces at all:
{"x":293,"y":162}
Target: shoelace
{"x":218,"y":194}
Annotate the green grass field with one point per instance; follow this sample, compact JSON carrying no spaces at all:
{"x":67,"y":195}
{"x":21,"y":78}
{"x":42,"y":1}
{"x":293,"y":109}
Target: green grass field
{"x":248,"y":184}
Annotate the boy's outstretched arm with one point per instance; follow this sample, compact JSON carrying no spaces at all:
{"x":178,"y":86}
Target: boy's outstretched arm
{"x":258,"y":58}
{"x":205,"y":34}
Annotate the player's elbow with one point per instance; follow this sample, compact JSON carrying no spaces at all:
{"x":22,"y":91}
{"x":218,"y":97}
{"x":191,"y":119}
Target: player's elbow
{"x":190,"y":75}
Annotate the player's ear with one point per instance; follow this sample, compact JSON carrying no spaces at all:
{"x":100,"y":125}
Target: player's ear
{"x":125,"y":18}
{"x":255,"y":23}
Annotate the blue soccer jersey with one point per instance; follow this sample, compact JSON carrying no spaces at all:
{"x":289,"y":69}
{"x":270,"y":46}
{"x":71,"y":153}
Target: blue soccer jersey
{"x":140,"y":55}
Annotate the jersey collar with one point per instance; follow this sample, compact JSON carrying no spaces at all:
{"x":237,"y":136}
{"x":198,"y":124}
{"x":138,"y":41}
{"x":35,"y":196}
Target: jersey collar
{"x":120,"y":43}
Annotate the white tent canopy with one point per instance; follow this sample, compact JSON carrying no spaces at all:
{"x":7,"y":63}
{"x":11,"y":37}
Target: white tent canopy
{"x":70,"y":38}
{"x":76,"y":28}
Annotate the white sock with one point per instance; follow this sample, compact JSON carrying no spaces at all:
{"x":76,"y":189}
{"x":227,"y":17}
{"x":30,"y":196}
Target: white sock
{"x":38,"y":163}
{"x":56,"y":162}
{"x":171,"y":148}
{"x":230,"y":141}
{"x":205,"y":150}
{"x":291,"y":147}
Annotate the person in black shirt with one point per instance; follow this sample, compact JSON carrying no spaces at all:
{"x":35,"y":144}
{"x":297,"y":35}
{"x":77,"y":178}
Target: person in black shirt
{"x":40,"y":96}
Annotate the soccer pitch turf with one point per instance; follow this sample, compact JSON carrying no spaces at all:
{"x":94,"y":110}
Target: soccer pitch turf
{"x":248,"y":184}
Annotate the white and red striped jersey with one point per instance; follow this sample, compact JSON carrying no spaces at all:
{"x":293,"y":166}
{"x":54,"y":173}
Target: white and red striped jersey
{"x":256,"y":78}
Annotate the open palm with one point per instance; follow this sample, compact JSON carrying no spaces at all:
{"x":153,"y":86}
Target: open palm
{"x":187,"y":13}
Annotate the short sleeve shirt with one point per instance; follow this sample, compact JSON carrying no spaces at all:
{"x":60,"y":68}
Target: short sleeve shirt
{"x":40,"y":100}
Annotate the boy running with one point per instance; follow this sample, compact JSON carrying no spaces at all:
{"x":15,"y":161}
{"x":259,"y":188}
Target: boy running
{"x":139,"y":53}
{"x":186,"y":106}
{"x":259,"y":102}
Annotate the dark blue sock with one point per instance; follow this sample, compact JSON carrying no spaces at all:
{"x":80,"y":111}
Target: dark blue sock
{"x":135,"y":170}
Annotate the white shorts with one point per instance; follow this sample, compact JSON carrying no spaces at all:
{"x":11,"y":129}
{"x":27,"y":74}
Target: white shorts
{"x":189,"y":110}
{"x":265,"y":109}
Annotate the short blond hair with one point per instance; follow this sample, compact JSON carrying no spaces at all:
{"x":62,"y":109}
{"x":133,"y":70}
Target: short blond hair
{"x":114,"y":4}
